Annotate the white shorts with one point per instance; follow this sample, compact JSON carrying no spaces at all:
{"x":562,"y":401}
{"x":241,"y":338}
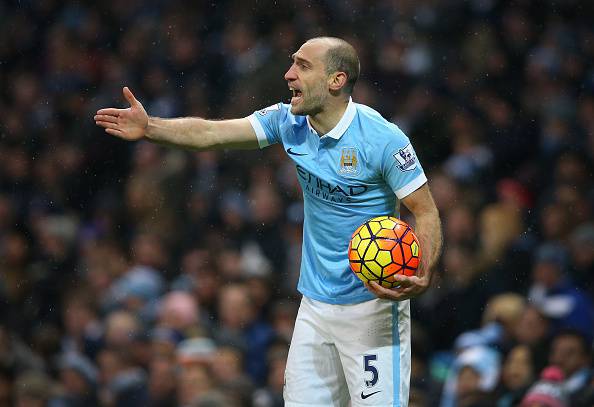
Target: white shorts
{"x":358,"y":353}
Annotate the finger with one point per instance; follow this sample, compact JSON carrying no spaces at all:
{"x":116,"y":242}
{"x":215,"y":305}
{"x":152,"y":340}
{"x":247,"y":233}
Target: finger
{"x":372,"y":287}
{"x":106,"y":118}
{"x":114,"y":132}
{"x":404,"y":280}
{"x":107,"y":125}
{"x":377,"y":289}
{"x":130,"y":97}
{"x":111,"y":111}
{"x":395,"y":294}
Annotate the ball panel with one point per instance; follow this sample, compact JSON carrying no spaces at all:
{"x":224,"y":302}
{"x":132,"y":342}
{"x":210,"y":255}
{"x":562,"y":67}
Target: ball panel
{"x":391,"y":269}
{"x":414,"y":247}
{"x":399,"y":222}
{"x":413,"y":263}
{"x":355,"y":241}
{"x":371,"y":251}
{"x":374,"y":226}
{"x":397,"y":255}
{"x":383,"y":258}
{"x":407,"y":251}
{"x":408,"y":272}
{"x":387,"y":234}
{"x":364,"y":232}
{"x":367,"y":274}
{"x":388,"y":224}
{"x":363,"y":247}
{"x":408,"y":238}
{"x":354,"y":255}
{"x":385,"y":244}
{"x":375,"y":268}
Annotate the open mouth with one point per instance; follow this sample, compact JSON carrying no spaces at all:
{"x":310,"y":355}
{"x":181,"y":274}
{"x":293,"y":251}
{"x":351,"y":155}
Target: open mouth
{"x":297,"y":96}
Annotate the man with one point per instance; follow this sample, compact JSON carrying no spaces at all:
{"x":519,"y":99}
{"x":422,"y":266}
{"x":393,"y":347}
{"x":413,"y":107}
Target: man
{"x":571,"y":351}
{"x":352,"y":165}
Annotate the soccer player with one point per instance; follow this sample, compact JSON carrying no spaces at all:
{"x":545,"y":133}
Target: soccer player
{"x":351,"y":341}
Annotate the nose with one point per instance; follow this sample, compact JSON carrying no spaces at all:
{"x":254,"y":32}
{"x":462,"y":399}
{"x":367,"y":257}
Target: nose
{"x":291,"y":75}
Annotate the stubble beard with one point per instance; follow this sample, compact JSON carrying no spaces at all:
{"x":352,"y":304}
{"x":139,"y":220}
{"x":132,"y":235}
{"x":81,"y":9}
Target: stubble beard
{"x":310,"y":106}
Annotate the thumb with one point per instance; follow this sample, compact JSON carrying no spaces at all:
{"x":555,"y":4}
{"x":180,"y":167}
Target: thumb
{"x":130,"y":97}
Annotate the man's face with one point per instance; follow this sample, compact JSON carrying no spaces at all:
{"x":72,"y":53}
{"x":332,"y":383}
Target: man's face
{"x":568,"y":354}
{"x":307,"y":79}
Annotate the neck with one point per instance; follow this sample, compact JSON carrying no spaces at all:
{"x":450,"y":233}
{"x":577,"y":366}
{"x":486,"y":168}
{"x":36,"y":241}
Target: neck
{"x":328,"y":118}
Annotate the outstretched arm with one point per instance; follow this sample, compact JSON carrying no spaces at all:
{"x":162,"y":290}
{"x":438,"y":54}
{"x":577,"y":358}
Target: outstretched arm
{"x":428,"y":230}
{"x":134,"y":123}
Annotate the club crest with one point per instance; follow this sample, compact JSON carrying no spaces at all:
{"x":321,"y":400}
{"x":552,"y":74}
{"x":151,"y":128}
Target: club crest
{"x":349,"y":162}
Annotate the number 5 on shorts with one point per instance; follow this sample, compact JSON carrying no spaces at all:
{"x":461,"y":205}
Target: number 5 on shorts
{"x":367,"y":359}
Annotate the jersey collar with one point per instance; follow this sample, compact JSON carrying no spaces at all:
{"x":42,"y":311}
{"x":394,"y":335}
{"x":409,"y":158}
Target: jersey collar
{"x":343,"y":124}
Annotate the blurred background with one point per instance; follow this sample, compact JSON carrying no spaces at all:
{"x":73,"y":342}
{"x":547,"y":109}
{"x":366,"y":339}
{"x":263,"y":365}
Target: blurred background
{"x":137,"y":275}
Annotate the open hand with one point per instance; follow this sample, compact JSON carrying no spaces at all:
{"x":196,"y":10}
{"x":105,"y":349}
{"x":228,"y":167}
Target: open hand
{"x":129,"y":124}
{"x":409,"y":287}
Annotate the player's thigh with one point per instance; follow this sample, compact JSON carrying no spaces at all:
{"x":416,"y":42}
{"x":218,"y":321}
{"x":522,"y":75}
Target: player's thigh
{"x":375,"y":353}
{"x":314,"y":374}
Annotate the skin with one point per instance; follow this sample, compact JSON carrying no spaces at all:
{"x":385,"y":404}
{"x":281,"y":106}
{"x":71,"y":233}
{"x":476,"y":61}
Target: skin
{"x":568,"y":354}
{"x":317,"y":94}
{"x":518,"y":368}
{"x":468,"y":381}
{"x":428,"y":231}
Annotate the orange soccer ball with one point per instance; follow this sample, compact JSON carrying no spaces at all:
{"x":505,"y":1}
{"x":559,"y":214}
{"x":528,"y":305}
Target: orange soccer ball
{"x":382,"y":247}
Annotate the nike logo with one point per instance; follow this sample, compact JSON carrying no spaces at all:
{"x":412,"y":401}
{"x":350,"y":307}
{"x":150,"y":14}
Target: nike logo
{"x":364,"y":396}
{"x":290,"y":151}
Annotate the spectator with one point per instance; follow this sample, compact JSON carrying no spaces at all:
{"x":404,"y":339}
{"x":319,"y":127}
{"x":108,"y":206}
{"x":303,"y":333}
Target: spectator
{"x":79,"y":379}
{"x":123,"y":382}
{"x":566,"y":304}
{"x":517,"y":374}
{"x":15,"y":355}
{"x":238,"y":325}
{"x":472,"y":377}
{"x":571,"y":352}
{"x":33,"y":389}
{"x":162,"y":384}
{"x":548,"y":391}
{"x":83,"y":330}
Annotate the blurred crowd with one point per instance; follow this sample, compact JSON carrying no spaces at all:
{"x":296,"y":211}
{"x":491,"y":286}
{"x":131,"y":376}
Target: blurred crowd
{"x":137,"y":275}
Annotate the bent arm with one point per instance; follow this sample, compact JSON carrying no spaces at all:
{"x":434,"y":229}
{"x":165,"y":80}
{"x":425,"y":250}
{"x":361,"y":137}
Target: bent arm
{"x":200,"y":134}
{"x":427,"y":228}
{"x":428,"y":231}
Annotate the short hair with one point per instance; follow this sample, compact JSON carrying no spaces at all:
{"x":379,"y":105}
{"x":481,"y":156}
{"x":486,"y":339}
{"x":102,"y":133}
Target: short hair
{"x":583,"y":338}
{"x":342,"y":57}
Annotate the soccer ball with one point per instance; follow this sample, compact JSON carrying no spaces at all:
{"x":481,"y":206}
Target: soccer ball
{"x":384,"y":246}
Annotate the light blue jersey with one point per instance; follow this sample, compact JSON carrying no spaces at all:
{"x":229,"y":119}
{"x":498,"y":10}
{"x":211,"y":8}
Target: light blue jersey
{"x":355,"y":172}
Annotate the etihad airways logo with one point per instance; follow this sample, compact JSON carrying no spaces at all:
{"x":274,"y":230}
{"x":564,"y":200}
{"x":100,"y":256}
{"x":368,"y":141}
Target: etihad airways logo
{"x":327,"y":191}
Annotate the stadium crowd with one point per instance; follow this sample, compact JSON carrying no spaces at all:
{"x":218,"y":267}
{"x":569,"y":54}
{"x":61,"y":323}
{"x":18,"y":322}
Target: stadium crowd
{"x":137,"y":275}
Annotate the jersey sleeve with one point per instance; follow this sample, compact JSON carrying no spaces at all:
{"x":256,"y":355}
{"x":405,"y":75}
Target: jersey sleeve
{"x":400,"y":165}
{"x":266,"y":124}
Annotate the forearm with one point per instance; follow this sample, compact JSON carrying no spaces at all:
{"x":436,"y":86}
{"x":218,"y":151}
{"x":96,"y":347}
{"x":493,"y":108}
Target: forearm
{"x":428,"y":231}
{"x":187,"y":132}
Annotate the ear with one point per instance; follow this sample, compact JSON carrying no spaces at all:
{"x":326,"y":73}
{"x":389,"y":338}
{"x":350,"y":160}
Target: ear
{"x":337,"y":81}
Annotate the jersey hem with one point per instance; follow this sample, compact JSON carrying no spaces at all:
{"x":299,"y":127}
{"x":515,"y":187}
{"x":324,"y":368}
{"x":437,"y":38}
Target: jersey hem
{"x":353,"y":300}
{"x":411,"y":186}
{"x":260,"y":133}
